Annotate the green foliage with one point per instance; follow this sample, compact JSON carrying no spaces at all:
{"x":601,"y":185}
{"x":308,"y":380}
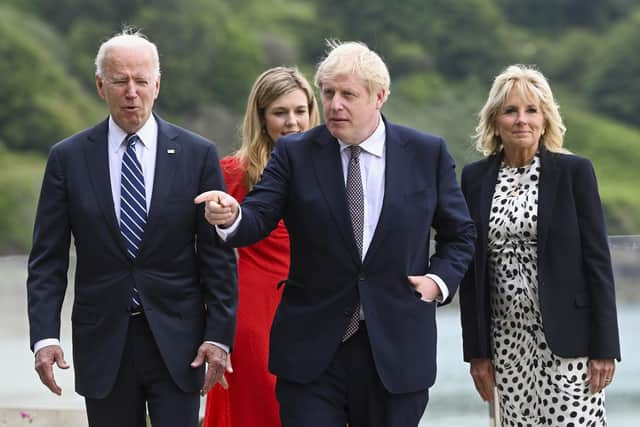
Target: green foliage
{"x":559,"y":15}
{"x":41,"y":103}
{"x":614,"y":78}
{"x":207,"y":56}
{"x":442,"y":55}
{"x":446,"y":110}
{"x":568,"y":59}
{"x":457,"y":38}
{"x":20,"y":178}
{"x":614,"y":149}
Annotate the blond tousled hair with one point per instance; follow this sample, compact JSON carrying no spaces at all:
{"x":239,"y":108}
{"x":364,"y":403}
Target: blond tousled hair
{"x":346,"y":58}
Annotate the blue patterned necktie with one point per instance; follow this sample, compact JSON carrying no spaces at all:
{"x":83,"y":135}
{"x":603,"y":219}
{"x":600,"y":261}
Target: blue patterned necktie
{"x":133,"y":207}
{"x":355,"y":200}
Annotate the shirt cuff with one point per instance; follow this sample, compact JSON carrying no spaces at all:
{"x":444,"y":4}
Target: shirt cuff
{"x":225,"y":233}
{"x":443,"y":287}
{"x":217,"y":344}
{"x":45,"y":342}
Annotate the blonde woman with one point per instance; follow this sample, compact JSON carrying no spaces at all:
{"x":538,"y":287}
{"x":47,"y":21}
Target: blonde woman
{"x":281,"y":102}
{"x":538,"y":302}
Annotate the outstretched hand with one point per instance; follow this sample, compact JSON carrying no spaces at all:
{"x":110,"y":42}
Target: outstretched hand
{"x":220,"y":208}
{"x":44,"y":360}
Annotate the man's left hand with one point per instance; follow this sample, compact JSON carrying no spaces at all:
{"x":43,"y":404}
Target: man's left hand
{"x":426,"y":287}
{"x":216,"y":359}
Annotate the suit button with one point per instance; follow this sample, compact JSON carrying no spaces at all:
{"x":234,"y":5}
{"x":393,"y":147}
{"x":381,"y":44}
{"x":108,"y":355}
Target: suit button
{"x":361,"y":277}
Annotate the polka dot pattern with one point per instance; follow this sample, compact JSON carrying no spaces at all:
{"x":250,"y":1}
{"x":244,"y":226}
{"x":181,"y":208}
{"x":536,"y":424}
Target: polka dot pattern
{"x":535,"y":387}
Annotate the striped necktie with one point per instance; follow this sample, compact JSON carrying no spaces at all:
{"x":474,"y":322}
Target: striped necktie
{"x":133,"y":207}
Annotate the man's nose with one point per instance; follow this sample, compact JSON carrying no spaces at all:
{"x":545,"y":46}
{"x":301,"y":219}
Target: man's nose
{"x":132,"y":90}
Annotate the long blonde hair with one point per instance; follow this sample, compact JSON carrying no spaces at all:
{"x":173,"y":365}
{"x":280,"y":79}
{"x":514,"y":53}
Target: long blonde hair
{"x":256,"y":143}
{"x":530,"y":83}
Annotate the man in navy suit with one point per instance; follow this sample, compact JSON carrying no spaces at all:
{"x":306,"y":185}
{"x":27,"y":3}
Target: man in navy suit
{"x":354,"y":338}
{"x":153,"y":299}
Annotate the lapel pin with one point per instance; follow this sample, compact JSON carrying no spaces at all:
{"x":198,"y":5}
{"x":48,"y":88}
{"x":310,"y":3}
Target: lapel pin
{"x":171,"y":151}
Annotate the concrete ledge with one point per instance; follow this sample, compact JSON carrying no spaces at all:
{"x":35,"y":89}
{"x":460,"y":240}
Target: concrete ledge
{"x":16,"y":417}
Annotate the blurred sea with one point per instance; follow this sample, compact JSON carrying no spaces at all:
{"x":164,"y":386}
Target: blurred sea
{"x":453,"y":400}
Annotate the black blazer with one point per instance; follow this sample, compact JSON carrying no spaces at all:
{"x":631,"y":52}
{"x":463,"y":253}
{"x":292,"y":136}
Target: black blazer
{"x":575,"y":278}
{"x":180,"y":268}
{"x":304,"y":184}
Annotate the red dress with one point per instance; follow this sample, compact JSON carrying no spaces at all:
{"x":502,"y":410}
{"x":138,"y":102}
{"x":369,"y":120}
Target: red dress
{"x":250,"y":400}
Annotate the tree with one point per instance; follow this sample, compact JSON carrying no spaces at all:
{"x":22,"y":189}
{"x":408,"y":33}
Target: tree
{"x":613,"y":83}
{"x":41,"y":102}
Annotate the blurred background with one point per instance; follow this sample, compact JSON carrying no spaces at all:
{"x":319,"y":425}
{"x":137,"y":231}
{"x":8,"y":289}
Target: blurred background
{"x":442,"y":55}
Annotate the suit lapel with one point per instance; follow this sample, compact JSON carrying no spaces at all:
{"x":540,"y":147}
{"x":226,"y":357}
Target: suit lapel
{"x":397,"y":166}
{"x":167,"y":154}
{"x":546,"y":195}
{"x":96,"y":153}
{"x":488,"y":180}
{"x":327,"y":166}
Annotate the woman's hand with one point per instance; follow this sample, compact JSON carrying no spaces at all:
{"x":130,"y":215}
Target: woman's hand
{"x":484,"y":378}
{"x":600,"y":373}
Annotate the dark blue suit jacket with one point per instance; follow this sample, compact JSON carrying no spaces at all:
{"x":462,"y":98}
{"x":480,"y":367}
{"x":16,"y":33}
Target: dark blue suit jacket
{"x":575,"y":278}
{"x":180,"y":268}
{"x":304,"y":184}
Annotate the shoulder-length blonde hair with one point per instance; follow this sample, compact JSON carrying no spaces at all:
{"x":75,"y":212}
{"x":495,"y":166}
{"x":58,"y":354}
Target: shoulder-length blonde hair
{"x":256,"y":143}
{"x":531,"y":84}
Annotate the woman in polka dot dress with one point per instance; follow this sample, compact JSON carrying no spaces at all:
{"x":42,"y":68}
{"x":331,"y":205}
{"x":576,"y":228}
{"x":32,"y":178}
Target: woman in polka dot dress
{"x":538,"y":302}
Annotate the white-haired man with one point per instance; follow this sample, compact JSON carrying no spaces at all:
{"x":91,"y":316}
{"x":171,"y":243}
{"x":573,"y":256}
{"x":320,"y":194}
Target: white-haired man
{"x":155,"y":293}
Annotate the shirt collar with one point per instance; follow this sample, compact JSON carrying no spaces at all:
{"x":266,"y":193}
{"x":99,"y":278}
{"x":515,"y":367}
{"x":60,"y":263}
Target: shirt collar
{"x":374,"y":144}
{"x":148,"y":135}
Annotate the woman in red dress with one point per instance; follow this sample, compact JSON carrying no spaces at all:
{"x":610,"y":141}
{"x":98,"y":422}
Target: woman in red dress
{"x":281,"y":102}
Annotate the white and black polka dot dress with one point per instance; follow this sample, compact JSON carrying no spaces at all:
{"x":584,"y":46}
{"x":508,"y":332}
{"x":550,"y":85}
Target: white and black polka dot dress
{"x":535,"y":387}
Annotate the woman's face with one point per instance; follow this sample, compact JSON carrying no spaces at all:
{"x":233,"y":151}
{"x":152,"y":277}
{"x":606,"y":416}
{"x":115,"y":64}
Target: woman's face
{"x":287,"y":114}
{"x":520,"y":122}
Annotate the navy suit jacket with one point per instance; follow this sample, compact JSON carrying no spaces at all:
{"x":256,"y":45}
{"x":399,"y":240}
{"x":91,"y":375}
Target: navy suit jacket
{"x":181,"y":266}
{"x":304,"y":184}
{"x":575,"y":278}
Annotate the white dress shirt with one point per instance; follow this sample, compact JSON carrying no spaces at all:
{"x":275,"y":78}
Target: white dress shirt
{"x":145,"y":152}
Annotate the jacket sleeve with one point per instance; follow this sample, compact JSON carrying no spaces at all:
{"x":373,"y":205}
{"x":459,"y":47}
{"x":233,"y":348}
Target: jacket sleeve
{"x":604,"y":339}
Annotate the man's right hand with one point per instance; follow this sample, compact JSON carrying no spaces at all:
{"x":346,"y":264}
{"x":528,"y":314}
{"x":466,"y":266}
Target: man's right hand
{"x":45,"y":358}
{"x":220,"y":208}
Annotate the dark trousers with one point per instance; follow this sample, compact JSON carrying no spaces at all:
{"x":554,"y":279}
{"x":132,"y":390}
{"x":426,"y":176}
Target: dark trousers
{"x":143,"y":379}
{"x":349,"y":391}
